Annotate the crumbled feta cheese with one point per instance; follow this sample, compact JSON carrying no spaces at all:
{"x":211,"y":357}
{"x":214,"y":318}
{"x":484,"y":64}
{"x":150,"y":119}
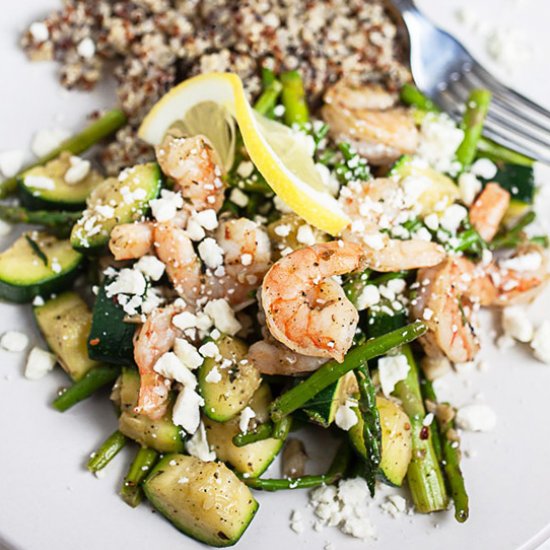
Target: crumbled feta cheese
{"x":432,"y":221}
{"x":516,"y":324}
{"x":246,"y":259}
{"x":541,"y":343}
{"x":238,"y":197}
{"x":422,"y":234}
{"x":15,"y":341}
{"x":127,"y":281}
{"x":428,"y":419}
{"x":38,"y":301}
{"x":330,"y":181}
{"x":484,"y":168}
{"x":11,"y":162}
{"x":150,"y":266}
{"x":198,"y":446}
{"x":280,"y":205}
{"x":39,"y":363}
{"x":165,"y":208}
{"x":39,"y":182}
{"x":394,"y":505}
{"x":505,"y":342}
{"x":86,"y":48}
{"x":188,"y":354}
{"x":223,"y":316}
{"x":186,"y":412}
{"x":44,"y":141}
{"x":39,"y":31}
{"x":78,"y":170}
{"x":207,"y":219}
{"x":346,"y":417}
{"x":469,"y":187}
{"x":296,"y":522}
{"x":246,"y":416}
{"x":169,"y":366}
{"x":184,"y":320}
{"x":283,"y":230}
{"x":183,"y":480}
{"x":194,"y":231}
{"x":305,"y":235}
{"x":374,"y":241}
{"x":210,"y":349}
{"x":486,"y":256}
{"x":476,"y":418}
{"x":392,"y":369}
{"x":214,"y":376}
{"x":245,"y":169}
{"x":453,"y":217}
{"x":211,"y":253}
{"x":369,"y":296}
{"x":526,"y":262}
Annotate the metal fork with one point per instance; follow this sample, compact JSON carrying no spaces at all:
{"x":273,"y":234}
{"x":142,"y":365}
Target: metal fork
{"x":446,"y":72}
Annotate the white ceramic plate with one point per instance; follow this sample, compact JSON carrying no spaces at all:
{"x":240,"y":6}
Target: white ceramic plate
{"x":48,"y":499}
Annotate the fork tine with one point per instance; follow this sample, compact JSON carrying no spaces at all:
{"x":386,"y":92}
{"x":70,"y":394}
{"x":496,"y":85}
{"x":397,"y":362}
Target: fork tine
{"x":524,"y":131}
{"x":508,"y":98}
{"x":510,"y":140}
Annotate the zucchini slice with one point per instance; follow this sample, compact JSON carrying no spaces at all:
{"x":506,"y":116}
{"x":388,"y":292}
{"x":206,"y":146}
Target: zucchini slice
{"x":161,"y":434}
{"x":65,"y":322}
{"x":252,"y":459}
{"x":37,"y":264}
{"x":239,"y":380}
{"x":518,"y":180}
{"x":322,"y":408}
{"x":204,"y":500}
{"x":117,"y":200}
{"x":396,"y":440}
{"x":59,"y":195}
{"x":110,"y":339}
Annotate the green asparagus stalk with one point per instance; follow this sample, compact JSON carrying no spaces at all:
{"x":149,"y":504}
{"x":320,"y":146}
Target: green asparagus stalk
{"x":104,"y":126}
{"x":47,"y":218}
{"x":474,"y":117}
{"x":445,"y":432}
{"x":356,"y":284}
{"x":268,"y":99}
{"x":142,"y":464}
{"x":107,"y":451}
{"x":294,"y":99}
{"x":282,"y":427}
{"x":335,"y":472}
{"x":512,"y":237}
{"x":411,"y":95}
{"x":263,"y":431}
{"x":330,"y":372}
{"x":424,"y":474}
{"x":92,"y":381}
{"x":372,"y":434}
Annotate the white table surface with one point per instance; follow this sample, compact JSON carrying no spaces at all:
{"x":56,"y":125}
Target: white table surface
{"x":48,"y":500}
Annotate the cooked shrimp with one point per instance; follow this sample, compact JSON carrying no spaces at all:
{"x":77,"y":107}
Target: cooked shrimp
{"x":274,"y":358}
{"x":247,"y":257}
{"x":366,"y":117}
{"x":488,"y":210}
{"x":131,"y":241}
{"x":175,"y":249}
{"x":307,"y":310}
{"x":447,"y":303}
{"x":152,"y":340}
{"x":381,"y":203}
{"x":192,"y":163}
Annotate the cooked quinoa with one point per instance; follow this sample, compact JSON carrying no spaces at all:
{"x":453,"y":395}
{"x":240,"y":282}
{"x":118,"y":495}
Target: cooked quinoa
{"x":150,"y":45}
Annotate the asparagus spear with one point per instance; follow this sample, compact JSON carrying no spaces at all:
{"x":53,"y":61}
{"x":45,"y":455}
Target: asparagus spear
{"x":511,"y":237}
{"x":424,"y":474}
{"x":294,"y":99}
{"x":282,"y":427}
{"x":92,"y":381}
{"x":107,"y":451}
{"x":47,"y":218}
{"x":335,"y":472}
{"x":371,"y":425}
{"x":271,"y":91}
{"x":476,"y":111}
{"x":104,"y":126}
{"x":263,"y":431}
{"x":445,"y":432}
{"x":411,"y":95}
{"x":144,"y":460}
{"x":330,"y":372}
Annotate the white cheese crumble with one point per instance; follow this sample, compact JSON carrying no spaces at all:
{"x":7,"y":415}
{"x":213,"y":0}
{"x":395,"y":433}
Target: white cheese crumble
{"x":283,"y":230}
{"x":469,"y":187}
{"x":453,"y":217}
{"x":186,"y":412}
{"x":39,"y":363}
{"x":516,"y":324}
{"x":39,"y":182}
{"x":296,"y":522}
{"x":432,"y":221}
{"x":78,"y":170}
{"x":526,"y":262}
{"x":151,"y":267}
{"x":207,"y":219}
{"x":541,"y":343}
{"x":245,"y":169}
{"x":165,"y":208}
{"x":214,"y":376}
{"x":305,"y":235}
{"x":346,"y":417}
{"x":127,"y":281}
{"x":11,"y":162}
{"x":169,"y":366}
{"x":198,"y":446}
{"x":86,"y":48}
{"x":369,"y":296}
{"x":392,"y":369}
{"x":45,"y":141}
{"x":194,"y":230}
{"x":210,"y":253}
{"x":374,"y":241}
{"x":281,"y":206}
{"x":238,"y":197}
{"x":184,"y":320}
{"x":39,"y":31}
{"x":210,"y":349}
{"x":484,"y":168}
{"x":187,"y":353}
{"x":14,"y":341}
{"x":223,"y":316}
{"x":476,"y":418}
{"x":246,"y":416}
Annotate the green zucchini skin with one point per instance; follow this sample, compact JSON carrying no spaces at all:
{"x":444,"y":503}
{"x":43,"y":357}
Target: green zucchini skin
{"x":24,"y":275}
{"x":110,"y":339}
{"x":91,"y":232}
{"x":518,"y":180}
{"x":192,"y":507}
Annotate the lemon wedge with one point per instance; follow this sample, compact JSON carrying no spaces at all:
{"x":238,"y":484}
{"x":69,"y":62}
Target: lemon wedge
{"x":278,"y":152}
